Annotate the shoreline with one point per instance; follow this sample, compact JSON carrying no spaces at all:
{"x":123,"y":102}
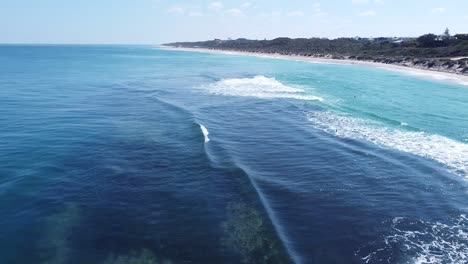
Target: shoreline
{"x":409,"y":70}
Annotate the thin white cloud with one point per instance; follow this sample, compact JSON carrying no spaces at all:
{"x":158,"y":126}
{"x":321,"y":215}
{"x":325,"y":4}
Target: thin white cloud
{"x":438,"y":10}
{"x":176,"y":10}
{"x":216,"y":5}
{"x":295,"y":13}
{"x":318,"y":10}
{"x":235,"y":12}
{"x":246,"y":5}
{"x":276,"y":13}
{"x":321,"y":13}
{"x":367,"y":13}
{"x":360,"y":1}
{"x":195,"y":14}
{"x":366,"y":1}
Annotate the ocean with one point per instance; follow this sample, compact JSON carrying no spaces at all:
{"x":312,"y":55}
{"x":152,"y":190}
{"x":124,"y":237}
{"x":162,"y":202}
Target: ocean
{"x":136,"y":154}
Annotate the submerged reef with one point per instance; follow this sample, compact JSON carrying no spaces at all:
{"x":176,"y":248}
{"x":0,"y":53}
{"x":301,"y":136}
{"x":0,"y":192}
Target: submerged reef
{"x":143,"y":257}
{"x":248,"y":235}
{"x":54,"y":243}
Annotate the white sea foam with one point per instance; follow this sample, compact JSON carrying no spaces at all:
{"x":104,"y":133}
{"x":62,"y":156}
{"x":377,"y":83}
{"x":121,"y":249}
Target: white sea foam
{"x":430,"y":74}
{"x":258,"y":86}
{"x":422,"y":242}
{"x":205,"y":133}
{"x":452,"y":153}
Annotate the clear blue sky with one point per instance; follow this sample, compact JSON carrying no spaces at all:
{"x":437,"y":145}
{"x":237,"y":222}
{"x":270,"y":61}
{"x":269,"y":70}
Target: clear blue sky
{"x":159,"y":21}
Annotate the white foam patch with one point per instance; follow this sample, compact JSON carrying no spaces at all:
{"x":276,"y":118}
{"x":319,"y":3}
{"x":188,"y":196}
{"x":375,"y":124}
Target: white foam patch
{"x":205,"y":133}
{"x":258,"y":86}
{"x":452,"y":153}
{"x":433,"y":75}
{"x":422,"y":242}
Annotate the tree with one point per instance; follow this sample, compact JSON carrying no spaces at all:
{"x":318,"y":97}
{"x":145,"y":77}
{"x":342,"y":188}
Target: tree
{"x":446,"y":34}
{"x":428,"y":40}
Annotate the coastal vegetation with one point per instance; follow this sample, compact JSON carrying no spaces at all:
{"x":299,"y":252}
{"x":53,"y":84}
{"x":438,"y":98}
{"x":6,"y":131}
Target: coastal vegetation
{"x":430,"y":51}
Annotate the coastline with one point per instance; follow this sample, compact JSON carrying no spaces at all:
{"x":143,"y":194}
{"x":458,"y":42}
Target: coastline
{"x":407,"y":69}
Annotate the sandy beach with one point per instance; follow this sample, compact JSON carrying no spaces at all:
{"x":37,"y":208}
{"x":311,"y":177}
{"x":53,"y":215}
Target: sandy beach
{"x":414,"y":71}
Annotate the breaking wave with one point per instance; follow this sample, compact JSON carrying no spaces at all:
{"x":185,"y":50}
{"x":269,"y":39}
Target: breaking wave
{"x":258,"y":86}
{"x":452,"y":153}
{"x":420,"y":242}
{"x":205,"y":133}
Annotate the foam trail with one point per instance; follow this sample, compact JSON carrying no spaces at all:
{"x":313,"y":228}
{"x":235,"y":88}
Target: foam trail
{"x":452,"y":153}
{"x":258,"y":86}
{"x":205,"y":133}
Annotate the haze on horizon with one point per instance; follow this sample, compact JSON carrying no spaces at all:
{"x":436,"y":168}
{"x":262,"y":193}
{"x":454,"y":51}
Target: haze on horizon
{"x":161,"y":21}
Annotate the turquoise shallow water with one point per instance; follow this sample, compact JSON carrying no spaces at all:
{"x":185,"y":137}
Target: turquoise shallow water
{"x":125,"y":153}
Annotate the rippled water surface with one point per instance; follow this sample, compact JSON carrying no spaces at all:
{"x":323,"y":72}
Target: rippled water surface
{"x":133,"y":154}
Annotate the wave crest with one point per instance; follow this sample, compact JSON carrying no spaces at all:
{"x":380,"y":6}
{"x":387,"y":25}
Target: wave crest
{"x":258,"y":86}
{"x":452,"y":153}
{"x":205,"y":133}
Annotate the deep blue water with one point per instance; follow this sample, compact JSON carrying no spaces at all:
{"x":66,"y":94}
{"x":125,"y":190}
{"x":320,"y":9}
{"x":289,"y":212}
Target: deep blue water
{"x":103,"y":159}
